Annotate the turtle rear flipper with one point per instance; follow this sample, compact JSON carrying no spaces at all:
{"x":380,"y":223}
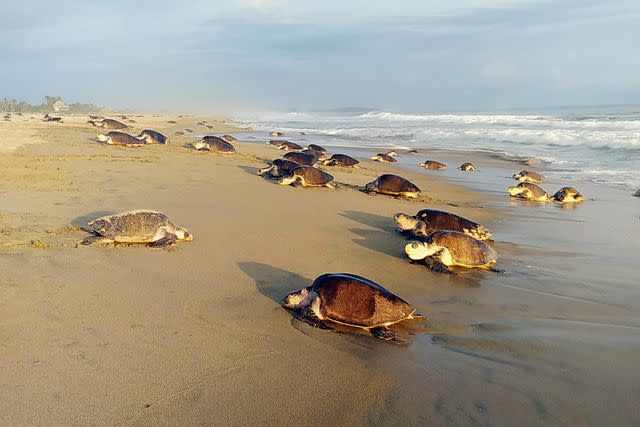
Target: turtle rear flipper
{"x":167,"y":240}
{"x":497,"y":270}
{"x":386,"y":334}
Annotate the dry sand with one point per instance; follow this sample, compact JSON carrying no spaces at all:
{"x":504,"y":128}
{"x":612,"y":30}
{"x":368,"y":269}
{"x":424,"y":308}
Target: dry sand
{"x":129,"y":335}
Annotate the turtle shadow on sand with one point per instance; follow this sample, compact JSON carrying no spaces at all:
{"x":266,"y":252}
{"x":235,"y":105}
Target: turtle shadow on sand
{"x":372,"y":220}
{"x":380,"y":241}
{"x":273,"y":282}
{"x":251,"y":170}
{"x":83,"y":220}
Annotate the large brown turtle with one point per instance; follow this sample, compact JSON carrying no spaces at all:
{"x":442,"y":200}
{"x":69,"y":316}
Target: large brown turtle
{"x":529,"y":191}
{"x":112,"y":124}
{"x":341,"y":160}
{"x":444,"y":249}
{"x":393,"y":185}
{"x":279,"y":167}
{"x":567,"y":195}
{"x":467,"y":167}
{"x":213,"y":143}
{"x":336,"y":299}
{"x":432,"y":164}
{"x":304,"y":159}
{"x":139,"y":226}
{"x":153,"y":137}
{"x":120,"y":138}
{"x":426,"y":221}
{"x":528,"y":176}
{"x":308,"y":176}
{"x":383,"y":158}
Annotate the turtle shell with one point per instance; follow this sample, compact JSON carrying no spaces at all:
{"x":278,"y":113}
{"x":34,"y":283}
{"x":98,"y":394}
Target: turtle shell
{"x":536,"y":191}
{"x":467,"y":167}
{"x":113,"y":124}
{"x":304,"y":159}
{"x":312,"y":176}
{"x":121,"y":138}
{"x":529,"y":176}
{"x":464,"y":249}
{"x":358,"y":301}
{"x":385,"y":158}
{"x":131,"y":226}
{"x":218,"y":144}
{"x":316,"y":147}
{"x":284,"y":166}
{"x":440,"y":220}
{"x":155,"y":136}
{"x":394,"y":184}
{"x":290,"y":145}
{"x":342,"y":160}
{"x":432,"y":164}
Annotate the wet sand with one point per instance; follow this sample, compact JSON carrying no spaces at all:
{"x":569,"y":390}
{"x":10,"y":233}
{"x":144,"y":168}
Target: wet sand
{"x":195,"y":334}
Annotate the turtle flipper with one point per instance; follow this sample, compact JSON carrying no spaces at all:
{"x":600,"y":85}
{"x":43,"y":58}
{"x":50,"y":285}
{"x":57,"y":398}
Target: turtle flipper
{"x":497,"y":270}
{"x":95,"y":239}
{"x":167,"y":240}
{"x":307,"y":316}
{"x":384,"y":334}
{"x":438,"y":266}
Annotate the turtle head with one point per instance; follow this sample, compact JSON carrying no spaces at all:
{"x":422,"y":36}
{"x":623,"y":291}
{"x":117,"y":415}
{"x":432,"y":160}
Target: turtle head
{"x":102,"y":137}
{"x":296,"y":299}
{"x":370,"y":187}
{"x":265,"y":170}
{"x":376,"y":157}
{"x":184,"y":234}
{"x":422,"y":165}
{"x":405,"y":222}
{"x":287,"y":180}
{"x":515,"y":190}
{"x":392,"y":153}
{"x":419,"y":250}
{"x":519,"y":174}
{"x":199,"y":145}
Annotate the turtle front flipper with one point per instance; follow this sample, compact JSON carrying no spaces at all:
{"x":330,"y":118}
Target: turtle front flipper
{"x":497,"y":270}
{"x":434,"y":263}
{"x":167,"y":240}
{"x":307,"y":316}
{"x":96,"y":239}
{"x":384,"y":334}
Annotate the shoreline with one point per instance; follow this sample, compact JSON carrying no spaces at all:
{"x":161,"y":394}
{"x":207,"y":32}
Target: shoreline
{"x":195,"y":334}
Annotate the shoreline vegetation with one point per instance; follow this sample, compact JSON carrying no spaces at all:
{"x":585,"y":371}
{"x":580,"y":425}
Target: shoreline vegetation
{"x":194,"y":334}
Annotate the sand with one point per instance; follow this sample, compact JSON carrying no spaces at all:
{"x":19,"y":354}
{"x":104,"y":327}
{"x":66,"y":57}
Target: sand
{"x":194,"y":335}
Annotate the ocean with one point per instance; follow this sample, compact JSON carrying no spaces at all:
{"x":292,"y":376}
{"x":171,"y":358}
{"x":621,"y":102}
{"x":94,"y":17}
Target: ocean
{"x":581,"y":144}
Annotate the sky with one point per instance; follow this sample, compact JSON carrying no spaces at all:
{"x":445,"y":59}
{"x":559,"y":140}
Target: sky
{"x":283,"y":55}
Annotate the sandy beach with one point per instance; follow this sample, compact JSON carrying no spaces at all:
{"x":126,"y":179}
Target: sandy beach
{"x":195,"y":335}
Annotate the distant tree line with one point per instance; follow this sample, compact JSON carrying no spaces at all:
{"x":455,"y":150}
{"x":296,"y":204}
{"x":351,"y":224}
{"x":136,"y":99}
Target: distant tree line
{"x":15,"y":106}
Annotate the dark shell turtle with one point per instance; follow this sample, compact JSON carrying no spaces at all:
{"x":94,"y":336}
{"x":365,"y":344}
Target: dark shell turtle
{"x":171,"y":122}
{"x":392,"y":153}
{"x":304,"y":159}
{"x":528,"y":191}
{"x":351,"y":300}
{"x":568,"y":195}
{"x":393,"y":185}
{"x":308,"y":176}
{"x":288,"y":145}
{"x":426,"y":221}
{"x":229,"y":138}
{"x":276,"y":134}
{"x":275,"y":142}
{"x":468,"y":167}
{"x":413,"y":151}
{"x":279,"y":167}
{"x":112,"y":124}
{"x":383,"y":158}
{"x":213,"y":143}
{"x":153,"y":137}
{"x":341,"y":160}
{"x":444,"y":249}
{"x":528,"y":176}
{"x":121,"y":138}
{"x":315,"y":147}
{"x":432,"y":164}
{"x":139,"y":226}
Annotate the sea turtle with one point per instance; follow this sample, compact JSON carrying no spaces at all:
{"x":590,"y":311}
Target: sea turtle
{"x":288,"y":145}
{"x":138,"y":226}
{"x":276,"y":134}
{"x":112,"y":124}
{"x":392,"y":153}
{"x":426,"y":221}
{"x":383,"y":158}
{"x":275,"y":142}
{"x":48,"y":118}
{"x":229,"y":138}
{"x":308,"y":176}
{"x":315,"y":147}
{"x":279,"y":167}
{"x":209,"y":126}
{"x":95,"y":123}
{"x":529,"y":191}
{"x":637,"y":193}
{"x":213,"y":143}
{"x":171,"y":122}
{"x":528,"y":176}
{"x":121,"y":138}
{"x":432,"y":164}
{"x":188,"y":130}
{"x":341,"y":160}
{"x":350,"y":300}
{"x":413,"y":151}
{"x":393,"y":185}
{"x":153,"y":137}
{"x":568,"y":195}
{"x":443,"y":249}
{"x":304,"y":159}
{"x":467,"y":167}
